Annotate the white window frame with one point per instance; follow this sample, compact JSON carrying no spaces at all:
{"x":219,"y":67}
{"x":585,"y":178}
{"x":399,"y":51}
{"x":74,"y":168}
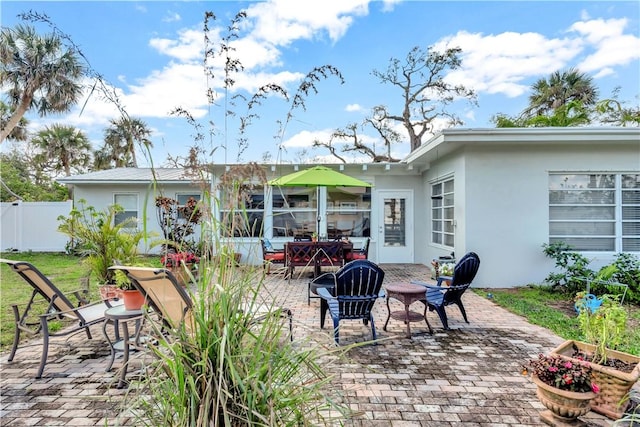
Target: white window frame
{"x":443,"y":212}
{"x":242,"y":210}
{"x":623,"y":217}
{"x":127,"y":211}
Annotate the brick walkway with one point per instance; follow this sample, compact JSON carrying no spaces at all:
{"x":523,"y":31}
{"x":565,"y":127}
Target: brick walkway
{"x":467,"y":376}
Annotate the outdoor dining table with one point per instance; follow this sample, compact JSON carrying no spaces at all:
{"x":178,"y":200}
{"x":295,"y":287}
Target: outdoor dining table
{"x":315,"y":254}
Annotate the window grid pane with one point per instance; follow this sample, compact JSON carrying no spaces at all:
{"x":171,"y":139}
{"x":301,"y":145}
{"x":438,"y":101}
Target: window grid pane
{"x":442,"y":213}
{"x":129,"y":202}
{"x":584,"y":214}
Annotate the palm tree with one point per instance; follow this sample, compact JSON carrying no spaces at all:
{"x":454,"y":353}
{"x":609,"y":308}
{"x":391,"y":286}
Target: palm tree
{"x":19,"y":132}
{"x":560,"y":88}
{"x":570,"y":114}
{"x":63,"y":148}
{"x":38,"y":72}
{"x":119,"y":148}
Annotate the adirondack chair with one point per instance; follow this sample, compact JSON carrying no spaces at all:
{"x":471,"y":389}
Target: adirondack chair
{"x":439,"y":296}
{"x":357,"y":287}
{"x":59,"y":306}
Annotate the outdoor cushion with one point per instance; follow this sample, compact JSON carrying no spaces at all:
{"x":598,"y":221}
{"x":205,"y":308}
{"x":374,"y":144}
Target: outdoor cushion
{"x":278,"y":256}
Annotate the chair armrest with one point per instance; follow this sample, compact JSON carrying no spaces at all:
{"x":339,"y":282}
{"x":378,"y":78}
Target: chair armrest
{"x":73,"y":310}
{"x":443,"y":278}
{"x":426,"y":285}
{"x":324,"y":278}
{"x":325,"y":294}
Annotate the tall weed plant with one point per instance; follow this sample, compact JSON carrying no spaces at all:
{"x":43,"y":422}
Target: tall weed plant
{"x":234,"y":363}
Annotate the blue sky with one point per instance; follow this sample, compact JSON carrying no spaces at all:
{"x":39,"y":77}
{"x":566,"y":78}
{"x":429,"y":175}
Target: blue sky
{"x":152,"y":52}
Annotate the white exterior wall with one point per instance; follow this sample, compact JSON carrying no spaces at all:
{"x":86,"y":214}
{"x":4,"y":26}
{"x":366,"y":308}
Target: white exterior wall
{"x":102,"y":196}
{"x":506,"y":219}
{"x":32,"y":226}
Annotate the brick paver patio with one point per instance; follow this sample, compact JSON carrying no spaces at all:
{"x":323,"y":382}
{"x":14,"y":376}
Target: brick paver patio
{"x":469,"y":375}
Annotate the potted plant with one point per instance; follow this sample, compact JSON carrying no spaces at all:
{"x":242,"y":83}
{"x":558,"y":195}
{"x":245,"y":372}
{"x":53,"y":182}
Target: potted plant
{"x":181,"y":264}
{"x":132,"y":298}
{"x":97,"y":236}
{"x":565,"y":387}
{"x":615,"y":372}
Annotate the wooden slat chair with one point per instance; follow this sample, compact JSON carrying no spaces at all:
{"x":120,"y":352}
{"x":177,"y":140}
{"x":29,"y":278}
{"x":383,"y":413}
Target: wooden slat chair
{"x":438,"y":297}
{"x":357,"y":287}
{"x":362,"y":253}
{"x":59,"y":306}
{"x":330,"y":254}
{"x":271,"y":255}
{"x":298,"y":254}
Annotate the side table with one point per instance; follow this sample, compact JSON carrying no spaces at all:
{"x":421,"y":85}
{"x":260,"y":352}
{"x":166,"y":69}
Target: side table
{"x":407,"y":294}
{"x":120,"y":316}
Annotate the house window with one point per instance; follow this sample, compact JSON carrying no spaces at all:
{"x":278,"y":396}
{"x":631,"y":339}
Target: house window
{"x":442,"y":213}
{"x":294,"y":211}
{"x":348,"y":212}
{"x":242,"y":212}
{"x":129,"y":202}
{"x":597,"y":212}
{"x":182,"y":200}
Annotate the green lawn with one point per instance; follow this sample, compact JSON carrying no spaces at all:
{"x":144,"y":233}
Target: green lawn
{"x":63,"y":270}
{"x":555,"y":312}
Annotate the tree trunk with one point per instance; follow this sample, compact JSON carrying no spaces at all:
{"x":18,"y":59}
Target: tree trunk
{"x":15,"y":118}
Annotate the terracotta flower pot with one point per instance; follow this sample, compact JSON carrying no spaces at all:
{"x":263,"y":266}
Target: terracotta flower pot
{"x":133,"y":299}
{"x":562,"y":405}
{"x":614,"y":384}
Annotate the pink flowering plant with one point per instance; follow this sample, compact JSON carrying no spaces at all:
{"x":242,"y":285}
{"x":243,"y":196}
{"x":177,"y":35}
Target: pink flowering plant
{"x":562,"y":374}
{"x":175,"y":259}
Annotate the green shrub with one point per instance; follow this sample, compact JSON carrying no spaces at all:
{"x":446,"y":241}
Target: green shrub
{"x":95,"y":236}
{"x":575,"y":272}
{"x":627,"y":271}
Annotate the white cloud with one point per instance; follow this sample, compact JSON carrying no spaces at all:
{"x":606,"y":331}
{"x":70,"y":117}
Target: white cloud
{"x":281,"y":22}
{"x":305,"y":138}
{"x":172,"y":17}
{"x":189,"y":45}
{"x":353,"y":108}
{"x":612,"y":47}
{"x":502,"y":63}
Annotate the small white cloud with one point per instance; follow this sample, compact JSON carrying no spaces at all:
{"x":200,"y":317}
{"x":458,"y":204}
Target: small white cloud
{"x":611,"y":46}
{"x":389,"y":5}
{"x":305,"y":139}
{"x":172,"y":17}
{"x":283,"y":21}
{"x":189,"y":45}
{"x":353,"y":108}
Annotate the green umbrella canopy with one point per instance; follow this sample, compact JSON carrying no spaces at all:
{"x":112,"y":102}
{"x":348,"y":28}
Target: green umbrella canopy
{"x":318,"y":176}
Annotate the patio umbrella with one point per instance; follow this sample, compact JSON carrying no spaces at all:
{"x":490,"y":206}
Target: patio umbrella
{"x":318,"y":176}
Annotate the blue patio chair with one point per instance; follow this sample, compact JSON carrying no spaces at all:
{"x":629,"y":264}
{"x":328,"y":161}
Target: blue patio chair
{"x":438,"y":297}
{"x":357,"y":287}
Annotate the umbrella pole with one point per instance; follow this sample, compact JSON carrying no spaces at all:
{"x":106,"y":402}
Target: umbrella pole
{"x":318,"y":217}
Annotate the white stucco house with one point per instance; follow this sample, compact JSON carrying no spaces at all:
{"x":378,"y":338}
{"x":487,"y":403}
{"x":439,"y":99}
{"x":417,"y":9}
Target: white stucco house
{"x":501,"y":193}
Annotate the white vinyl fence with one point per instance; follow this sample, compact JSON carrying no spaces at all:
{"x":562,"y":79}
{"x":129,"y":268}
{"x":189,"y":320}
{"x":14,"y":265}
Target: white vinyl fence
{"x":32,"y":226}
